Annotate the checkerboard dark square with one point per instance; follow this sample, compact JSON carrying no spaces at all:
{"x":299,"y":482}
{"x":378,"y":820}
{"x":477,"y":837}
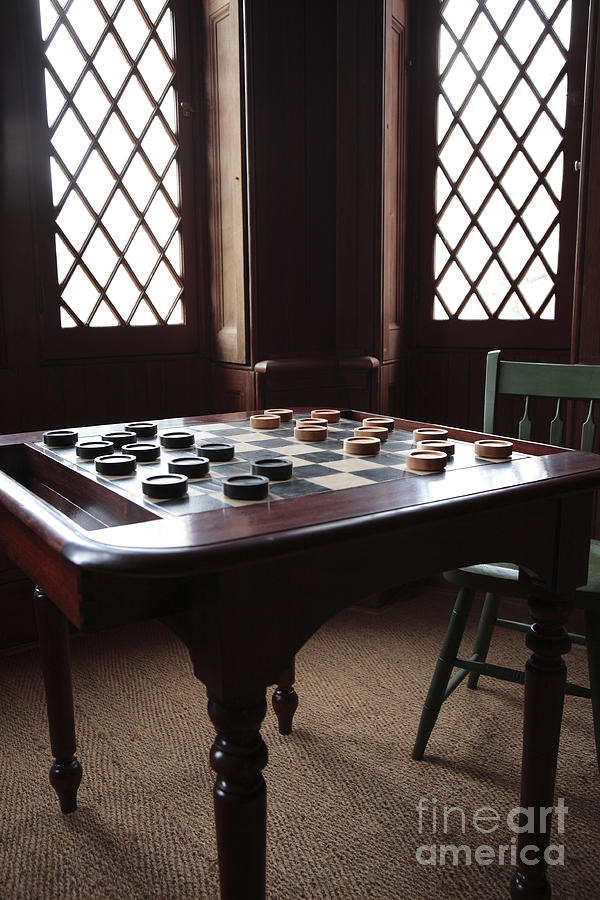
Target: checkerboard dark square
{"x":311,"y":471}
{"x":320,"y":456}
{"x":383,"y":473}
{"x":296,"y":487}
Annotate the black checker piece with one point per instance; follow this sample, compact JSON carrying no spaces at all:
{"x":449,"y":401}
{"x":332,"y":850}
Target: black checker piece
{"x":63,"y":437}
{"x":246,"y":487}
{"x":215,"y":451}
{"x":192,"y":466}
{"x":275,"y":468}
{"x":92,"y":449}
{"x":143,"y":429}
{"x":116,"y":464}
{"x":143,"y":452}
{"x":165,"y":487}
{"x":177,"y":440}
{"x":118,"y":438}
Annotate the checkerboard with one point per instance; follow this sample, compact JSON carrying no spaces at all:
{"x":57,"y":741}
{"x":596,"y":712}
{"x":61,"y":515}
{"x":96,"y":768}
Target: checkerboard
{"x":318,"y":467}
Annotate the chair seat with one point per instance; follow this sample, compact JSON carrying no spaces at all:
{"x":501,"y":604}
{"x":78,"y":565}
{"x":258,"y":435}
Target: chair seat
{"x":503,"y":579}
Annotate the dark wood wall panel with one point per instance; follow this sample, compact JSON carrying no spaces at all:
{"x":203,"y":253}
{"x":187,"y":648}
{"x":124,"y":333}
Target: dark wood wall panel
{"x":232,"y":388}
{"x":446,"y":386}
{"x":359,"y":171}
{"x":52,"y":396}
{"x":292,"y":169}
{"x":320,"y":61}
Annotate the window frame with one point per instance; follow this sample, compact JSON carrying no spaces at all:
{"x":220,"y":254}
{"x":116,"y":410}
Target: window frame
{"x":82,"y":342}
{"x":552,"y":334}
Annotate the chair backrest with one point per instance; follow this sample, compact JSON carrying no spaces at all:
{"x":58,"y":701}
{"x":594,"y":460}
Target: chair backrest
{"x":555,"y":380}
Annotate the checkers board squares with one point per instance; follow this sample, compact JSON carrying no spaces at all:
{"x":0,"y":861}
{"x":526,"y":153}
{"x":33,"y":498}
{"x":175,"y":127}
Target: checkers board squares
{"x":322,"y":466}
{"x":319,"y":467}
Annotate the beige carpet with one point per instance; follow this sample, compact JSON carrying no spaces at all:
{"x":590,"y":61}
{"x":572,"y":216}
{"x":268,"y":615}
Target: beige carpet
{"x":343,"y":791}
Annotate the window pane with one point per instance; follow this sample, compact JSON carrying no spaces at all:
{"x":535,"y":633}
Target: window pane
{"x":502,"y":80}
{"x":111,"y":109}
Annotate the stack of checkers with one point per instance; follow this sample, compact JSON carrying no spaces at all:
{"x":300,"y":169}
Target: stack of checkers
{"x":432,"y":450}
{"x":256,"y":485}
{"x":369,"y":436}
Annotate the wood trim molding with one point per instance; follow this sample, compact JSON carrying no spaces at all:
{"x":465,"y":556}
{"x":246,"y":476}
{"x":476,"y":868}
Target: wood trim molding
{"x":394,"y":178}
{"x":584,"y":338}
{"x":359,"y":154}
{"x":232,"y":387}
{"x":226,"y":179}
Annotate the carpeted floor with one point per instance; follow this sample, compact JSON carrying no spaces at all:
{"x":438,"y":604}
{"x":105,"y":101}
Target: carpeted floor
{"x":343,"y":790}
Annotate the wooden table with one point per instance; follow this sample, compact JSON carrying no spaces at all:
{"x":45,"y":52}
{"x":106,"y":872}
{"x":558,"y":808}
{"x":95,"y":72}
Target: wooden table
{"x":225,"y":581}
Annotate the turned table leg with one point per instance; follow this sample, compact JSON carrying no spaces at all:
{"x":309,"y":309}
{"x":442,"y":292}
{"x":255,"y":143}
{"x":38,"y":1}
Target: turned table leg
{"x":238,"y":756}
{"x":65,"y":772}
{"x":545,"y":677}
{"x":285,"y":699}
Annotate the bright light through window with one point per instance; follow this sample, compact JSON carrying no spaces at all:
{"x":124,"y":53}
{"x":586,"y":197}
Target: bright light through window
{"x":110,"y":98}
{"x":500,"y":129}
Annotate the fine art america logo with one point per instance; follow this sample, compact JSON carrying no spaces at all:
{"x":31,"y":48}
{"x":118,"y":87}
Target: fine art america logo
{"x":435,"y":821}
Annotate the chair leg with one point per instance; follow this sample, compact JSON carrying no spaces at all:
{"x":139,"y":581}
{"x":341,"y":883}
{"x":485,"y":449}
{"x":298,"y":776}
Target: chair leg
{"x":592,"y":639}
{"x":486,"y":626}
{"x":443,"y":670}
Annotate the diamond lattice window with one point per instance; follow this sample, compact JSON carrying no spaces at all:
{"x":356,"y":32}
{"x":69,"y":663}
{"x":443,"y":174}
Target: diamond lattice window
{"x":500,"y":135}
{"x":111,"y":108}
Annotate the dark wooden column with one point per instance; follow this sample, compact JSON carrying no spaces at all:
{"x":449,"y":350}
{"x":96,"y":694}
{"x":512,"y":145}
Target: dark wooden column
{"x":545,"y":678}
{"x":238,"y":756}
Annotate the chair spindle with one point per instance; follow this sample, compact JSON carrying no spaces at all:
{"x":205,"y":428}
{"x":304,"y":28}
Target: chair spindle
{"x":525,"y":423}
{"x":557,"y":426}
{"x":588,"y":430}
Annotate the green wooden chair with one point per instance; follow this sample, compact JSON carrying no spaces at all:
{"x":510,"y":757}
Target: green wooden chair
{"x":561,"y":382}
